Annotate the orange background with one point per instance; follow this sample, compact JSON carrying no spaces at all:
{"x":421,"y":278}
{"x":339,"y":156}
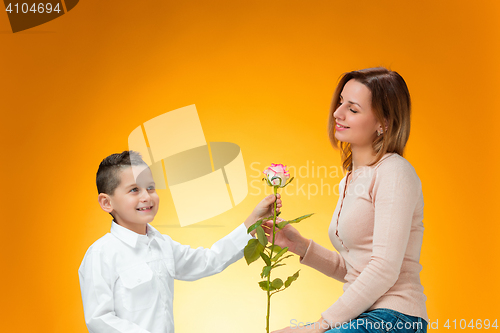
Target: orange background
{"x":261,"y":74}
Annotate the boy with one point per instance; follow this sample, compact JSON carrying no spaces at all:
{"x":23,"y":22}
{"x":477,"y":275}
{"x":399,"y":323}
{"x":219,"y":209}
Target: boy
{"x":127,"y":276}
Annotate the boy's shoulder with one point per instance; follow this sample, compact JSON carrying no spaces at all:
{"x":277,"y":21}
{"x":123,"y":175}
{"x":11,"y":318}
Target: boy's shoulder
{"x":111,"y":243}
{"x":103,"y":242}
{"x":106,"y":245}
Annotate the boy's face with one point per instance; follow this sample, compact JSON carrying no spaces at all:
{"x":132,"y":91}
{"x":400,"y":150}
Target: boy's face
{"x":135,"y":201}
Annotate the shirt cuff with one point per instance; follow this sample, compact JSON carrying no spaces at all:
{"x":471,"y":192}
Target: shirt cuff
{"x":239,"y":236}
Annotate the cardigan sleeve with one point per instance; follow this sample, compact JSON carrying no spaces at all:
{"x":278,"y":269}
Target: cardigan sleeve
{"x":328,"y":262}
{"x":395,"y":193}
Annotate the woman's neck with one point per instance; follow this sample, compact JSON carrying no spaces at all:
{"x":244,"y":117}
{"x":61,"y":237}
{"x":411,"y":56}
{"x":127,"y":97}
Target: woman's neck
{"x":362,"y":156}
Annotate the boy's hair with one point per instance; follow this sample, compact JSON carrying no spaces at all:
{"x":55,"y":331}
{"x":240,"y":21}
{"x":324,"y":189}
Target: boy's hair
{"x":108,"y":174}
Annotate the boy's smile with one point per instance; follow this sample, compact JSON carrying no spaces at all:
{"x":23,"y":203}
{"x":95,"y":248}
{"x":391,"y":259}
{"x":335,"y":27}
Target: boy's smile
{"x":135,"y":201}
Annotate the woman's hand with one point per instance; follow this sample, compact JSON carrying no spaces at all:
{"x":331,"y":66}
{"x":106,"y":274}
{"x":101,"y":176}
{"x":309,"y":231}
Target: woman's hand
{"x":287,"y":237}
{"x":317,"y":327}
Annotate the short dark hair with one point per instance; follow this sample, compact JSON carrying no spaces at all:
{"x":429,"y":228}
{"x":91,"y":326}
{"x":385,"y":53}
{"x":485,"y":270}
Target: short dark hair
{"x":108,"y":174}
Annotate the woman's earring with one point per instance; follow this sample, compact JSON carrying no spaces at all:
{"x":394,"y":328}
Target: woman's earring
{"x":378,"y":133}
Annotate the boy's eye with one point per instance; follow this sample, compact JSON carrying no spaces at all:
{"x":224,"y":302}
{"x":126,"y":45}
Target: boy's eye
{"x":151,"y":188}
{"x":135,"y":189}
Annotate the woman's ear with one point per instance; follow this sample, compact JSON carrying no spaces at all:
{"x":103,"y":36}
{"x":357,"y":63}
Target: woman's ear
{"x":105,"y":202}
{"x":386,"y":123}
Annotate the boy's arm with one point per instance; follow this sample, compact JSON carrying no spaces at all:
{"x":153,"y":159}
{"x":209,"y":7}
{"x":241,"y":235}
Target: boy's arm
{"x":96,"y":279}
{"x":192,"y":264}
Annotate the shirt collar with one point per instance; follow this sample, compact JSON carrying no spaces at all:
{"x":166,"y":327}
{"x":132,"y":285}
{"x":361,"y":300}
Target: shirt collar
{"x":132,"y":238}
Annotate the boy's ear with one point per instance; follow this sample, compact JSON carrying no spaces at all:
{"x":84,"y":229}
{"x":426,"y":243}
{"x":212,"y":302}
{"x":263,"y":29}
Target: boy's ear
{"x":105,"y":202}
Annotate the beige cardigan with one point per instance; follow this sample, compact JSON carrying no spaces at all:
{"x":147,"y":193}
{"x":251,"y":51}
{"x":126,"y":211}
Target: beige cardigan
{"x":377,"y":230}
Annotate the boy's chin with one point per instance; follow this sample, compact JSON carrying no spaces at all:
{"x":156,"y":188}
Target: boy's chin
{"x":148,"y":219}
{"x":151,"y":218}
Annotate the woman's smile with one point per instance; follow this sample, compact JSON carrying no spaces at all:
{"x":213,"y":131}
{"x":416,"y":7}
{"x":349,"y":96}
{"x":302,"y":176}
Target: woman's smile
{"x":340,"y":127}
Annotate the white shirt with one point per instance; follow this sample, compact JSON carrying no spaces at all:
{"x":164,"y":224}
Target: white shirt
{"x":127,"y":279}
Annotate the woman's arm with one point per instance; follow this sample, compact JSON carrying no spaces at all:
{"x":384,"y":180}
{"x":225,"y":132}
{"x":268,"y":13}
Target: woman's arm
{"x":330,"y":263}
{"x":396,"y":192}
{"x":311,"y":254}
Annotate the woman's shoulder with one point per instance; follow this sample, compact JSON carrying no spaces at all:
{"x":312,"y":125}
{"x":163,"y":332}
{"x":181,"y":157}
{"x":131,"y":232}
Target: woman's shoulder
{"x":395,"y":165}
{"x":394,"y":161}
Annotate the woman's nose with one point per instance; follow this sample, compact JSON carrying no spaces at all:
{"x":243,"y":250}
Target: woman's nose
{"x":338,"y":113}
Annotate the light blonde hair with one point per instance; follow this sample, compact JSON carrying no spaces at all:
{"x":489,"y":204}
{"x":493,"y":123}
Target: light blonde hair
{"x":390,"y":101}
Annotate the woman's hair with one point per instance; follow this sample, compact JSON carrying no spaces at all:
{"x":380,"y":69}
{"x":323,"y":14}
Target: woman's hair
{"x":390,"y":100}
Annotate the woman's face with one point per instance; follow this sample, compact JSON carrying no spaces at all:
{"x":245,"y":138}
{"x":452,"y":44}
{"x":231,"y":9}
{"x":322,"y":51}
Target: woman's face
{"x":355,"y":112}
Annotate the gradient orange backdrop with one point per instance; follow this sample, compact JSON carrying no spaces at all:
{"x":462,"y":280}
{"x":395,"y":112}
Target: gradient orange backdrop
{"x":261,"y":74}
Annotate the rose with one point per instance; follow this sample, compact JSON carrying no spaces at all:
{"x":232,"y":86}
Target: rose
{"x":277,"y":175}
{"x":264,"y":245}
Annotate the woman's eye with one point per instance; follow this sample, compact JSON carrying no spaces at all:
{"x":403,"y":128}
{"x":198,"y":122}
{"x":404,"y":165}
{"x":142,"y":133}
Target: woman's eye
{"x":353,"y":111}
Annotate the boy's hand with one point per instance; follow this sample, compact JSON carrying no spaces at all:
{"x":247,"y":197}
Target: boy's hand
{"x":265,"y":208}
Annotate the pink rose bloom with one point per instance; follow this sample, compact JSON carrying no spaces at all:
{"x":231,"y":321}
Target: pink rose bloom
{"x":277,"y":175}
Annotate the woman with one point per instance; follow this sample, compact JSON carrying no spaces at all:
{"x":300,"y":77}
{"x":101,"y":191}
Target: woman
{"x":377,"y":225}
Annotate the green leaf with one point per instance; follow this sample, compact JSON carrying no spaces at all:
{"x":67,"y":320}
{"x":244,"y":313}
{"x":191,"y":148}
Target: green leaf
{"x":265,"y":257}
{"x":277,"y":283}
{"x":258,"y":223}
{"x":283,"y":258}
{"x":267,"y":181}
{"x":279,"y":254}
{"x":289,"y":181}
{"x":278,"y":265}
{"x":292,"y":278}
{"x":297,"y":220}
{"x":265,"y":286}
{"x":265,"y":271}
{"x":252,"y":250}
{"x":254,"y":226}
{"x":275,"y":249}
{"x":261,"y":235}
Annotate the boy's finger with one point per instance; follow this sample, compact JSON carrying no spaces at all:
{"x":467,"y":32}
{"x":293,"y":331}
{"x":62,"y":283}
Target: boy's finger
{"x":271,"y":197}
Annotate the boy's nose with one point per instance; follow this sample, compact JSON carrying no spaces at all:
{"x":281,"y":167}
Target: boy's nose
{"x":145,"y":196}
